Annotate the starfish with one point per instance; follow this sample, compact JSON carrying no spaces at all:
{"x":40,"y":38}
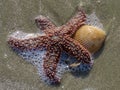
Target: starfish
{"x":54,"y":41}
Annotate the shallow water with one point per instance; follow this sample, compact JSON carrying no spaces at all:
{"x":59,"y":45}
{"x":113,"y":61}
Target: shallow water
{"x":16,"y":74}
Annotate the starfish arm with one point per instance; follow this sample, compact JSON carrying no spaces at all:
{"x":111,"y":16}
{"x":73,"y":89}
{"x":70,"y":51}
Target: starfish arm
{"x":73,"y":24}
{"x":27,"y":42}
{"x":50,"y":64}
{"x":44,"y":23}
{"x":75,"y":49}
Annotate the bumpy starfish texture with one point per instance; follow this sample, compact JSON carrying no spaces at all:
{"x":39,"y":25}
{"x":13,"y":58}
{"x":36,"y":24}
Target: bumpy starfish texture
{"x":55,"y":41}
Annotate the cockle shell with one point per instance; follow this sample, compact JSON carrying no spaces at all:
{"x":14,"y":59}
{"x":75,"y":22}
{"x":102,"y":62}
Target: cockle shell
{"x":90,"y":37}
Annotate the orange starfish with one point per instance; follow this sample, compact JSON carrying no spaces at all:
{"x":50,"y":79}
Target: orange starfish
{"x":54,"y":41}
